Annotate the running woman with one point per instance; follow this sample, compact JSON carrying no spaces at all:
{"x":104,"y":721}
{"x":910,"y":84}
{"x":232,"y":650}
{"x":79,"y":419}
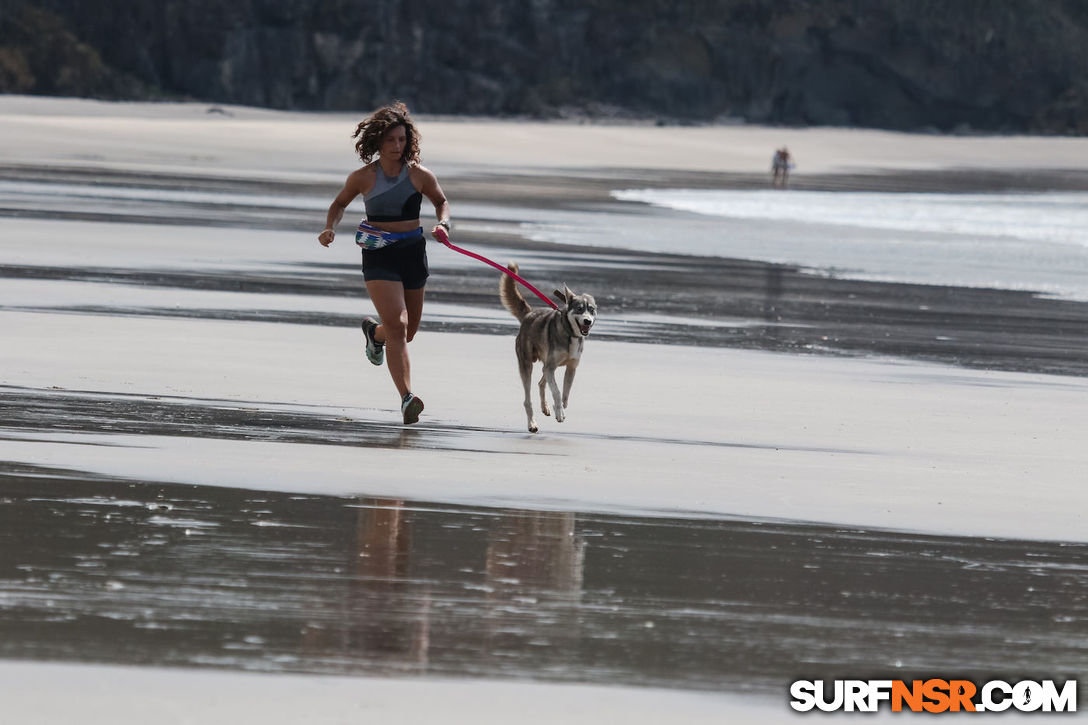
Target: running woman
{"x":394,"y":248}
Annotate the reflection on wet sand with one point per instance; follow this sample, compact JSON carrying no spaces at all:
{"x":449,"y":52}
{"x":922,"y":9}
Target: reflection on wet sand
{"x":538,"y":550}
{"x":384,"y":616}
{"x":534,"y":565}
{"x":115,"y":571}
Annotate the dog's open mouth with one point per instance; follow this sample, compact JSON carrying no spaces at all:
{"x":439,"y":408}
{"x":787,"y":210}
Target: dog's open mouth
{"x":584,"y":327}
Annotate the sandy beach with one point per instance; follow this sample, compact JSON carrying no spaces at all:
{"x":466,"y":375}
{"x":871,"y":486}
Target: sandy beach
{"x":771,"y":468}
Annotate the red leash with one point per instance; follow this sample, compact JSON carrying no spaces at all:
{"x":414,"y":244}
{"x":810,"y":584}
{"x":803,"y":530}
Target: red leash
{"x":440,"y":235}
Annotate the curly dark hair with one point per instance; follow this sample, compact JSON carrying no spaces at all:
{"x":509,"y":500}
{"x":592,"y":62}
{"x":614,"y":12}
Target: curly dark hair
{"x":371,"y":132}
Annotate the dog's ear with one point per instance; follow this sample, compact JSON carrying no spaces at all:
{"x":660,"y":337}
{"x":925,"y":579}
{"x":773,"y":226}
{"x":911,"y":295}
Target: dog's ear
{"x":563,"y":295}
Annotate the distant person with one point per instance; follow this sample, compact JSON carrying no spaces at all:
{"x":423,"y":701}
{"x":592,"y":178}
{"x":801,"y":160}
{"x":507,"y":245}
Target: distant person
{"x":780,"y":168}
{"x":394,"y":248}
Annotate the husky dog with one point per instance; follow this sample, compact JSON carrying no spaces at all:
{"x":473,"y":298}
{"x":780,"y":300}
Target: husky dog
{"x":555,"y":337}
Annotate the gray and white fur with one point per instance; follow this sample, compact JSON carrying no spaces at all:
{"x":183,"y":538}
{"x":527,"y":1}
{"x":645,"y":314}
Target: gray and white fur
{"x":554,"y":337}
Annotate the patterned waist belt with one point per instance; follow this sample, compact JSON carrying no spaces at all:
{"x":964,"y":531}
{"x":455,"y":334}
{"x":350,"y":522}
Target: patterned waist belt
{"x":369,"y":237}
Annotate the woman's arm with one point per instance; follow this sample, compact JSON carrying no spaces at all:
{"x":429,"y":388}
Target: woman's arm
{"x":427,"y":183}
{"x":336,"y":209}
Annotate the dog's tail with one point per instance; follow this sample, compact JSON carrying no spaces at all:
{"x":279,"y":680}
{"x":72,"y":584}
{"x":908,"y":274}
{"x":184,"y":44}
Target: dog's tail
{"x":511,"y":295}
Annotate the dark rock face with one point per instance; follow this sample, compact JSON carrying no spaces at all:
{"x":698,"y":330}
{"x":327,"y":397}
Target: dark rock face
{"x":902,"y":64}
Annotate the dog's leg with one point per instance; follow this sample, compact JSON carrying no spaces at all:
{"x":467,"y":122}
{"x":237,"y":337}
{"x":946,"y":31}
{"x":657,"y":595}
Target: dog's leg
{"x":543,"y":398}
{"x":526,"y":370}
{"x":549,"y":374}
{"x":568,"y":380}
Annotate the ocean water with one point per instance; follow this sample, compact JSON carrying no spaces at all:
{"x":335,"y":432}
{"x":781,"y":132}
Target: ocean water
{"x":1036,"y":242}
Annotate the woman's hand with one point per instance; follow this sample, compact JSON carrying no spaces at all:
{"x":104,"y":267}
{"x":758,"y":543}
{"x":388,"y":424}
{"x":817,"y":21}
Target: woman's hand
{"x":445,"y":227}
{"x":326,"y":237}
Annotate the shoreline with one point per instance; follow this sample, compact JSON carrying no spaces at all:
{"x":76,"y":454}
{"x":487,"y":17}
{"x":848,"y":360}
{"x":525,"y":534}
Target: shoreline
{"x":715,"y":301}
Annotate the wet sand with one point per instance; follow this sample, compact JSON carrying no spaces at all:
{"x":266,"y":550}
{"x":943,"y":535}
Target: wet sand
{"x":200,"y":472}
{"x":141,"y":572}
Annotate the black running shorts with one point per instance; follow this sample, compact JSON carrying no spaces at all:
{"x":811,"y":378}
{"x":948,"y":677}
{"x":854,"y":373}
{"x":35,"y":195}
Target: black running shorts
{"x":404,"y":262}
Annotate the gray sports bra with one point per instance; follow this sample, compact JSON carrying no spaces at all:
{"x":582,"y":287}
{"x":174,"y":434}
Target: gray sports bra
{"x":393,"y":199}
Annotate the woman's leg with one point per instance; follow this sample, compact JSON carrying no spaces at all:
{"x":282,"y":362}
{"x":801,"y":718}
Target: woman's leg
{"x":389,"y":300}
{"x":413,"y":300}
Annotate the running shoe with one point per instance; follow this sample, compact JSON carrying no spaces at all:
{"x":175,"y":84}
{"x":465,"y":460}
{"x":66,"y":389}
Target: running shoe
{"x":410,"y":408}
{"x":375,"y":351}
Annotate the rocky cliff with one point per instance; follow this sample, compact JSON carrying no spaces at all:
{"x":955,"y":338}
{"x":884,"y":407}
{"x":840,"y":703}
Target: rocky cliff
{"x":988,"y":65}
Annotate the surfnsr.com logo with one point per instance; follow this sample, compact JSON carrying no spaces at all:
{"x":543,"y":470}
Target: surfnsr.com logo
{"x":933,"y":695}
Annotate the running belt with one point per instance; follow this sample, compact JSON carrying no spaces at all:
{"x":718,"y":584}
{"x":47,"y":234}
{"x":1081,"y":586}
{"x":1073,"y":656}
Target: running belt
{"x":369,"y":237}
